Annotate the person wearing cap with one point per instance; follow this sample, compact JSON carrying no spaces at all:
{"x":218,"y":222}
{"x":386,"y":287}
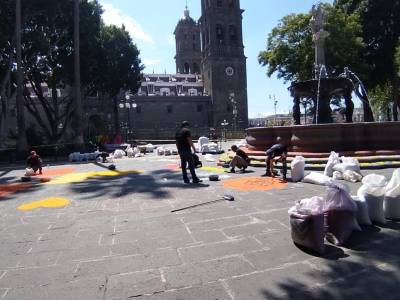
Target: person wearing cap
{"x":240,"y":160}
{"x":34,"y":162}
{"x":184,"y":144}
{"x":277,"y":152}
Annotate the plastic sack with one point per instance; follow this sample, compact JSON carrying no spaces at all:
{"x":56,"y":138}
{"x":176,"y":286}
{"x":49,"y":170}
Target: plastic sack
{"x":391,"y":204}
{"x":337,"y":175}
{"x":338,"y":198}
{"x":29,"y":172}
{"x":160,"y":151}
{"x":297,"y":168}
{"x":317,"y":178}
{"x":130,"y":152}
{"x":118,"y":154}
{"x":351,"y":161}
{"x":362,"y":211}
{"x":149,"y":148}
{"x":375,"y":204}
{"x":308,"y":230}
{"x":376,"y":184}
{"x":343,"y":167}
{"x":332,"y":161}
{"x":310,"y":206}
{"x":341,"y":224}
{"x":351,"y":176}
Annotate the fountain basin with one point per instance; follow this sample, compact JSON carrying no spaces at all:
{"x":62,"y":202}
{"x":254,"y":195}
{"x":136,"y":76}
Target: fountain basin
{"x":323,"y":138}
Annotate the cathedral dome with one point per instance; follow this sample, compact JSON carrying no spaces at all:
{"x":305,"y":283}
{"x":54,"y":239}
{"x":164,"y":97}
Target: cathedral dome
{"x":187,"y":19}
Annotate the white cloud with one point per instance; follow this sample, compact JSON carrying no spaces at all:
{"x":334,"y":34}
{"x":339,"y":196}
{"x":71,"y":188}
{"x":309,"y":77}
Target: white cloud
{"x":113,"y":16}
{"x":151,"y":61}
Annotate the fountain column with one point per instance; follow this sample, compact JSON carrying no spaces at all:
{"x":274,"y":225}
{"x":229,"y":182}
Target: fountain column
{"x":349,"y":107}
{"x":296,"y":110}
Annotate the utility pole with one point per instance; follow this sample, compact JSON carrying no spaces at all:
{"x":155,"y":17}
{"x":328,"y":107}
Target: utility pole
{"x":22,"y":145}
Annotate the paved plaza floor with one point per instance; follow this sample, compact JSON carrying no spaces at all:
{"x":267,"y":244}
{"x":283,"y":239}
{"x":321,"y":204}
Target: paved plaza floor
{"x":117,"y":239}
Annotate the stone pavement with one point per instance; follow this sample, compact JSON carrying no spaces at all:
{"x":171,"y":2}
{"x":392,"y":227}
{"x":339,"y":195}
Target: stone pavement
{"x":118,"y":240}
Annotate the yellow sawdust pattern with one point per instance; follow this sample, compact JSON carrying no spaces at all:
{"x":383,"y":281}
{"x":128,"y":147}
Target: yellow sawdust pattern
{"x":45,"y":203}
{"x":212,"y":169}
{"x":79,"y":177}
{"x":255,"y":184}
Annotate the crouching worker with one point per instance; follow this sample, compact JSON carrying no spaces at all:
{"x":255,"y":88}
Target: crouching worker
{"x":277,"y":152}
{"x":34,"y":162}
{"x":240,"y":160}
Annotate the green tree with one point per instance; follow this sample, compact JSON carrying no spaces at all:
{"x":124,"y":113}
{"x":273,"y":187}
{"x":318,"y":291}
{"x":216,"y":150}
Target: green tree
{"x":49,"y":59}
{"x":381,"y":98}
{"x":380,"y":20}
{"x":397,"y":59}
{"x":120,"y":66}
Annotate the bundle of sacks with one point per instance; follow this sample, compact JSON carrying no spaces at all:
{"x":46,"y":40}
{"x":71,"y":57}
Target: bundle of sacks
{"x":381,"y":198}
{"x":345,"y":168}
{"x":336,"y":215}
{"x":205,"y":146}
{"x":77,"y":156}
{"x":332,"y":217}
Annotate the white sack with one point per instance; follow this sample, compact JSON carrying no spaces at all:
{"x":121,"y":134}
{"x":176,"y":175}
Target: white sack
{"x":317,"y":178}
{"x":337,"y":175}
{"x":118,"y":154}
{"x":149,"y":148}
{"x":362,"y":211}
{"x":297,"y":168}
{"x":343,"y":167}
{"x":351,"y":176}
{"x":310,"y":206}
{"x":391,"y":204}
{"x":29,"y":172}
{"x":332,"y":161}
{"x":373,"y":191}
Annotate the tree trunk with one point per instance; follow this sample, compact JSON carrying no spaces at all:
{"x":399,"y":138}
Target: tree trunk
{"x":22,"y":145}
{"x":78,"y":114}
{"x":116,"y":116}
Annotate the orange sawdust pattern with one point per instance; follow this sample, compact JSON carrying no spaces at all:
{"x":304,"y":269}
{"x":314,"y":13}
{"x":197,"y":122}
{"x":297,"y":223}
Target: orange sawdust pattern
{"x":255,"y":184}
{"x":55,"y":172}
{"x":173,"y":167}
{"x":8,"y":189}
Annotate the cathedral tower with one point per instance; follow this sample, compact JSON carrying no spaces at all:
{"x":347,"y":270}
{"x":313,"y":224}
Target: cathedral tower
{"x":223,"y":61}
{"x":188,"y":48}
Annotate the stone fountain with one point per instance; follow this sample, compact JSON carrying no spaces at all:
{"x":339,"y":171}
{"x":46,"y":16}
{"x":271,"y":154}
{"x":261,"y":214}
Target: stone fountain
{"x":323,"y":136}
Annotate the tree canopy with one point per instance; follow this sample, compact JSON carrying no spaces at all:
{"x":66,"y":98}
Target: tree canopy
{"x":109,"y":58}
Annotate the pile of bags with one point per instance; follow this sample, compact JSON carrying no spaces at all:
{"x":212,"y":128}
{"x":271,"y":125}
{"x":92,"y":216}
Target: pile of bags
{"x":165,"y":151}
{"x":77,"y":156}
{"x":344,"y":168}
{"x":336,"y":215}
{"x":205,"y":146}
{"x":332,"y":217}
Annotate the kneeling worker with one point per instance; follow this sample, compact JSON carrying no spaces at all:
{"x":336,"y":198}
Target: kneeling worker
{"x":277,"y":152}
{"x":240,"y":160}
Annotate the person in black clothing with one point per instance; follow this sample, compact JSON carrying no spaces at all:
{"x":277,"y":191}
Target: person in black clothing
{"x":184,"y":144}
{"x":240,"y":160}
{"x":277,"y":152}
{"x":34,"y":162}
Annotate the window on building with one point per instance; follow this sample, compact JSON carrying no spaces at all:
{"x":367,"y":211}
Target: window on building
{"x":186,"y":68}
{"x":196,"y":69}
{"x":229,"y":108}
{"x":232,"y":33}
{"x":194,"y":46}
{"x":231,"y":3}
{"x":219,"y":3}
{"x":199,"y":107}
{"x":169,"y":109}
{"x":138,"y":109}
{"x":220,"y":32}
{"x":194,"y":37}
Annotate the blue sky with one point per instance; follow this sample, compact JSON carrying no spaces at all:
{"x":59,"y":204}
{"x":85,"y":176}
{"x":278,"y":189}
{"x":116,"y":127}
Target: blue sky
{"x":151,"y":24}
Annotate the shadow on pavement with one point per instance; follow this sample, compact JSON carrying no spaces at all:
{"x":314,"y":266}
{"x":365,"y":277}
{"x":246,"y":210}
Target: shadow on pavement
{"x":371,"y":272}
{"x":155,"y":184}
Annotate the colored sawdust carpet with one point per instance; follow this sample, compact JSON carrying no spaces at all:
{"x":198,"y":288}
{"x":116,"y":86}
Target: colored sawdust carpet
{"x":255,"y":184}
{"x":173,"y":167}
{"x":79,"y":177}
{"x":213,"y":169}
{"x":45,"y":203}
{"x":56,"y":172}
{"x":8,"y":189}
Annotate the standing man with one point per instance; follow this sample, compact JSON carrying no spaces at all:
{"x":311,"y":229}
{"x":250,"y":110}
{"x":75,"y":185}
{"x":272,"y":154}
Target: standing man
{"x":277,"y":152}
{"x":240,"y":160}
{"x":184,"y":144}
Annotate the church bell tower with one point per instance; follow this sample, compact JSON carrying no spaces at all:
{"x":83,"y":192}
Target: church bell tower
{"x":223,"y":62}
{"x":188,"y":48}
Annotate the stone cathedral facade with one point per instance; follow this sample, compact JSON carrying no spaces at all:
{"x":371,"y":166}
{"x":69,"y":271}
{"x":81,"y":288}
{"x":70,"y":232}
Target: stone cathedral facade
{"x":210,"y":84}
